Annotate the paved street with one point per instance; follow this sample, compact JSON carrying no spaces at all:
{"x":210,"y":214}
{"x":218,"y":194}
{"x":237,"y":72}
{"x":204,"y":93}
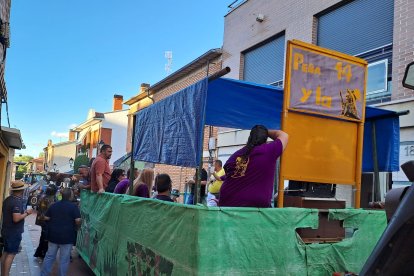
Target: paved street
{"x":24,"y":262}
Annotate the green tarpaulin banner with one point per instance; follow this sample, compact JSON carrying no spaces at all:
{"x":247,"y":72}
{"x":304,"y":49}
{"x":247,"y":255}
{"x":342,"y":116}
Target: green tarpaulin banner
{"x":125,"y":235}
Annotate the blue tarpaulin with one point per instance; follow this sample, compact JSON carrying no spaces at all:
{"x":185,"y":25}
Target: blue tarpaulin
{"x":240,"y":104}
{"x":170,"y":131}
{"x":387,"y":129}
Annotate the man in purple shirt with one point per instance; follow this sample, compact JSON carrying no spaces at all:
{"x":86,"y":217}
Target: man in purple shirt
{"x":250,"y":171}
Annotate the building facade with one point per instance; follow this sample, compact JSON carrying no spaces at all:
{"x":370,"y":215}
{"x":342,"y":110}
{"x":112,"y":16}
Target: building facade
{"x":203,"y":66}
{"x":37,"y":165}
{"x":381,"y":32}
{"x":57,"y":156}
{"x":10,"y":138}
{"x":102,"y":128}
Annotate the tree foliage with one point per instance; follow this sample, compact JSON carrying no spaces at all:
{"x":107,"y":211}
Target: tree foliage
{"x":22,"y":169}
{"x":23,"y":158}
{"x":80,"y":160}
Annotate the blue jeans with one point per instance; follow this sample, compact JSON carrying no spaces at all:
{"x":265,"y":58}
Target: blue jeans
{"x":50,"y":257}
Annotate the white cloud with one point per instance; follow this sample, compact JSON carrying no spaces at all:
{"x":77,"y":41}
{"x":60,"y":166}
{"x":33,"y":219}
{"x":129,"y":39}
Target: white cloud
{"x":72,"y":126}
{"x":38,"y":145}
{"x":59,"y":134}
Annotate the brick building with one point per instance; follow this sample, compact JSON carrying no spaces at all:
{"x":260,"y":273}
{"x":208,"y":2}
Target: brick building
{"x":203,"y":66}
{"x":381,"y":32}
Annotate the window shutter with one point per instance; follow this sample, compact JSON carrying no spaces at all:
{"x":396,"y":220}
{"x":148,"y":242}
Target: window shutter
{"x":357,"y":27}
{"x":265,"y":64}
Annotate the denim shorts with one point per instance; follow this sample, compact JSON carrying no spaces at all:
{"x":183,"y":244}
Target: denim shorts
{"x":12,"y":242}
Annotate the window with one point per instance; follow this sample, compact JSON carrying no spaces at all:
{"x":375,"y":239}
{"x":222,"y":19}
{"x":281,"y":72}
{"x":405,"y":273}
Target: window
{"x":379,"y":73}
{"x":363,"y":28}
{"x":264,"y":63}
{"x":357,"y":27}
{"x":377,"y":77}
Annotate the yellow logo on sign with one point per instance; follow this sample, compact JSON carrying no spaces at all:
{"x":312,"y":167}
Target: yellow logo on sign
{"x":305,"y":67}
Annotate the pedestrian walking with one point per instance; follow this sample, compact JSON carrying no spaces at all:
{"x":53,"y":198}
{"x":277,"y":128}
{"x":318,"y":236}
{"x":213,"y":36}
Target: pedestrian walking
{"x":45,"y":201}
{"x":63,"y":218}
{"x":14,"y":214}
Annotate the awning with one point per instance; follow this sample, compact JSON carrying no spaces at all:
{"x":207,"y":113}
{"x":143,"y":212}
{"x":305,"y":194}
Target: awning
{"x":12,"y":137}
{"x":241,"y":104}
{"x":170,"y":131}
{"x":83,"y":133}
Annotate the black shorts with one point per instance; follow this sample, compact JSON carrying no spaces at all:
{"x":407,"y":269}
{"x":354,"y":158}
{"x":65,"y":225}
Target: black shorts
{"x":12,"y":242}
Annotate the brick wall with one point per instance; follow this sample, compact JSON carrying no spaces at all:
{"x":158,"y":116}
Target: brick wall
{"x":180,"y":175}
{"x":403,"y":46}
{"x":192,"y":78}
{"x":297,"y":19}
{"x":242,"y":31}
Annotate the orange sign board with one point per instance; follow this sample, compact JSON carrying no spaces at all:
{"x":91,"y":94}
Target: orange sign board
{"x":324,"y":111}
{"x":326,"y":84}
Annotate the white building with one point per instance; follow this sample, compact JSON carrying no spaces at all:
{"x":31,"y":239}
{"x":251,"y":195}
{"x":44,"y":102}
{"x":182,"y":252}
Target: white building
{"x":102,"y":128}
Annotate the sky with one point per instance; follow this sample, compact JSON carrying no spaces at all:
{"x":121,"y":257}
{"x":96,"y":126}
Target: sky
{"x":69,"y":56}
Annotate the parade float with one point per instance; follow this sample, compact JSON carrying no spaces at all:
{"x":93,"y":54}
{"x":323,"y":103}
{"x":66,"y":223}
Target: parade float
{"x":334,"y":137}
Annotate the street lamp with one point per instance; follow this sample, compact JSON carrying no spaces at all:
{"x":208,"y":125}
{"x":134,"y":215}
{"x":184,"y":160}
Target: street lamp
{"x":101,"y":143}
{"x":54,"y":166}
{"x":71,"y":162}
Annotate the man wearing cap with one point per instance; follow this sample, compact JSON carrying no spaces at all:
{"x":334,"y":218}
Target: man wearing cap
{"x":13,"y":224}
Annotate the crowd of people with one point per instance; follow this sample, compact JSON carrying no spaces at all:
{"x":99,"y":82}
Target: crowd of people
{"x":246,"y":180}
{"x":58,"y":220}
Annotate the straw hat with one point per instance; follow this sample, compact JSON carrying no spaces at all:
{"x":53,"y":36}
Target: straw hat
{"x":18,"y":185}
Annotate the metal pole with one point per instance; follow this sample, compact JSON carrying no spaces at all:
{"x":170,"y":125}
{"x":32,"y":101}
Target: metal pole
{"x":219,"y":74}
{"x":376,"y":185}
{"x":196,"y":186}
{"x":358,"y":165}
{"x":132,"y":165}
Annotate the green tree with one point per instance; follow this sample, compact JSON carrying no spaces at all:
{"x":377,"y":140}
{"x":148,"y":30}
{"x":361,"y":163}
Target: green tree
{"x":80,"y":160}
{"x":22,"y":169}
